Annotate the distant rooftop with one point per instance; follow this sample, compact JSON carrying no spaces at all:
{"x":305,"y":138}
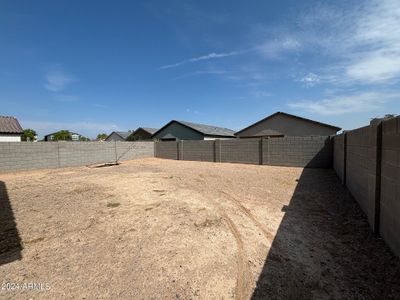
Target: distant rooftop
{"x":149,"y":129}
{"x":9,"y":125}
{"x":53,"y":133}
{"x":209,"y":129}
{"x":292,"y":116}
{"x":123,"y":134}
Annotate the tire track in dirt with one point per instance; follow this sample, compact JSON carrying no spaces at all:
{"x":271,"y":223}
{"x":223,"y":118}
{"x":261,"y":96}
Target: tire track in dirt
{"x":243,"y":271}
{"x":269,"y":236}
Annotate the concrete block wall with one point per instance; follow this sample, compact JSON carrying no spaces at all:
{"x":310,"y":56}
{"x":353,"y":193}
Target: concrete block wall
{"x":134,"y":150}
{"x":314,"y":152}
{"x":390,"y":184}
{"x":338,"y":156}
{"x":42,"y":155}
{"x":246,"y":151}
{"x":73,"y":154}
{"x":361,"y":168}
{"x":311,"y":152}
{"x":197,"y":150}
{"x":167,"y":150}
{"x":25,"y":156}
{"x":369,"y":160}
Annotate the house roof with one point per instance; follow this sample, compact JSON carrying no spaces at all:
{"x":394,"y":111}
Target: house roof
{"x":123,"y":134}
{"x":292,"y":116}
{"x":53,"y":133}
{"x":148,"y":129}
{"x":9,"y":125}
{"x":204,"y":129}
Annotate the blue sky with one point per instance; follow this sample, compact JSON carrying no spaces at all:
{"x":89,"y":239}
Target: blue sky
{"x":99,"y":66}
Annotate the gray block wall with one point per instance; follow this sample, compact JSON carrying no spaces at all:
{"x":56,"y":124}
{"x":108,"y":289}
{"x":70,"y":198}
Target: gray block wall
{"x":43,"y":155}
{"x":24,"y":156}
{"x":360,"y":169}
{"x":390,"y":184}
{"x":369,"y":160}
{"x":338,"y":156}
{"x":134,"y":150}
{"x":314,"y":152}
{"x":84,"y":153}
{"x":197,"y":151}
{"x":311,"y":152}
{"x":167,"y":150}
{"x":245,"y":151}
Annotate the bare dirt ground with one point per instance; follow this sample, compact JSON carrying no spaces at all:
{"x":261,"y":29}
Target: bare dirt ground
{"x":163,"y":229}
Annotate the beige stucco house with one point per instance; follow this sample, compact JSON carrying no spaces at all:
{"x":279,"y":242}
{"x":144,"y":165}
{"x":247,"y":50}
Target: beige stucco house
{"x":283,"y":124}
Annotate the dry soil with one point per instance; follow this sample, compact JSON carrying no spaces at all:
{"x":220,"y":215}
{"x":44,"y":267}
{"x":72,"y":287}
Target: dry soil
{"x":163,"y":229}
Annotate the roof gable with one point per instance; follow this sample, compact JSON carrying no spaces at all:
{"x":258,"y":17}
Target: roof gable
{"x":203,"y":129}
{"x":292,"y":116}
{"x":148,"y":129}
{"x":9,"y":125}
{"x":145,"y":130}
{"x":123,"y":134}
{"x":209,"y":129}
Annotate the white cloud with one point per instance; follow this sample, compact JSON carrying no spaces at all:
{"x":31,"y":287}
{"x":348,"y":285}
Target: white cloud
{"x":355,"y":44}
{"x":57,"y":80}
{"x":200,"y":58}
{"x":355,"y":103}
{"x":377,"y":35}
{"x":375,"y":67}
{"x":363,"y":44}
{"x":90,"y":129}
{"x":310,"y":79}
{"x":275,"y":48}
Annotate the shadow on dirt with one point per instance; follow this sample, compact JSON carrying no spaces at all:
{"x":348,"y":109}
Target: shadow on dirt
{"x":324,"y":248}
{"x":10,"y":241}
{"x":103,"y":165}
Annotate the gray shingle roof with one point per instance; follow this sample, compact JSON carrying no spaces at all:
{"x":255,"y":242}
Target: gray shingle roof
{"x":123,"y":134}
{"x":149,"y":129}
{"x":209,"y":129}
{"x":9,"y":125}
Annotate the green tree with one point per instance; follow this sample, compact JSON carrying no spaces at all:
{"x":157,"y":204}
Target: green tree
{"x":101,"y":136}
{"x":84,"y":139}
{"x":62,"y":135}
{"x":28,"y":135}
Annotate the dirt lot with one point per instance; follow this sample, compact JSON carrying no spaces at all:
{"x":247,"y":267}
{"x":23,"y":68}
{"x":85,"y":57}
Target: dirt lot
{"x":152,"y":229}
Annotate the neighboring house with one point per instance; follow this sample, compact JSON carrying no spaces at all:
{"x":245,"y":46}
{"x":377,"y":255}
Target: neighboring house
{"x":282,"y":124}
{"x":182,"y":130}
{"x":74,"y":136}
{"x":118,"y":136}
{"x":10,"y":129}
{"x":142,"y":134}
